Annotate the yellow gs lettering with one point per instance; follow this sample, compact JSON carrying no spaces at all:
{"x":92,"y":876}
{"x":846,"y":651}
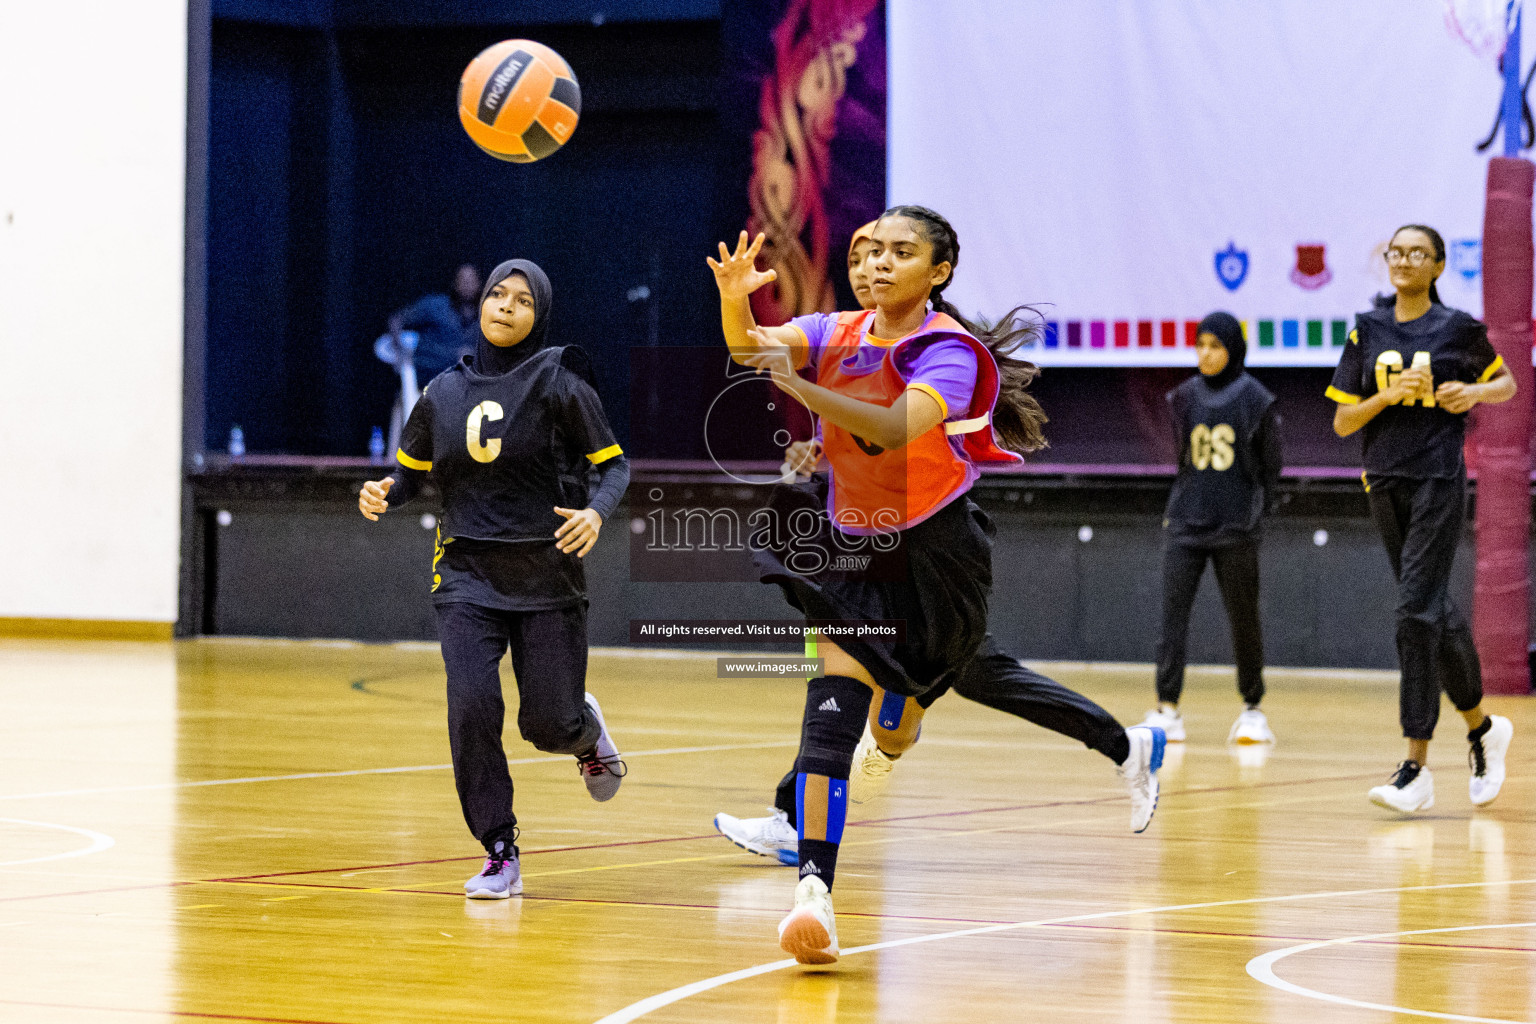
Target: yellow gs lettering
{"x":1211,"y":447}
{"x":1222,"y":437}
{"x":482,"y":451}
{"x":1389,"y":367}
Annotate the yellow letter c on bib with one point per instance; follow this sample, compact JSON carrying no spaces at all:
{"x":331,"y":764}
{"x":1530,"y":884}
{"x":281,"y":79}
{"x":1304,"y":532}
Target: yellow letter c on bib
{"x":482,"y":451}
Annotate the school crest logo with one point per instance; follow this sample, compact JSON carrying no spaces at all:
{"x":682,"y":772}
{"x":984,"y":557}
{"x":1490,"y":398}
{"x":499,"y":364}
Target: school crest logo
{"x":1467,"y":257}
{"x":1311,"y":271}
{"x":1232,"y":266}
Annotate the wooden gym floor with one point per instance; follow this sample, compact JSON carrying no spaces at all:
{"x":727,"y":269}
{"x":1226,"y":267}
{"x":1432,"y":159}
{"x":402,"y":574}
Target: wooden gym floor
{"x":267,"y":831}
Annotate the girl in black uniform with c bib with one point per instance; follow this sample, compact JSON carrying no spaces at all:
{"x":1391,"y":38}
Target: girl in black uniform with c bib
{"x":509,"y":436}
{"x":1229,"y":464}
{"x":1410,"y":372}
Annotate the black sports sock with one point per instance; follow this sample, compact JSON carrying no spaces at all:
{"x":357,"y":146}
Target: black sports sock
{"x":1478,"y":733}
{"x":818,"y":858}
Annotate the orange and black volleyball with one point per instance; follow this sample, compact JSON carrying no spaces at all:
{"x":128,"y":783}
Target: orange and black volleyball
{"x":519,"y":101}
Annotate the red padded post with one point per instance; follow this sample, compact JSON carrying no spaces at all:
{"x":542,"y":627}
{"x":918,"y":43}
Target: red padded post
{"x":1502,"y":436}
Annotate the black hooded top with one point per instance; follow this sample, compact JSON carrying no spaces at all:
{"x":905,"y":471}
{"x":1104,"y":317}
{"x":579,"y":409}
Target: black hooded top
{"x":1416,"y":438}
{"x":1229,"y":447}
{"x":507,"y":434}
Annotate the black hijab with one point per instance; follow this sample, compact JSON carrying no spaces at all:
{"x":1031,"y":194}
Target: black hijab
{"x":1230,"y":333}
{"x":493,"y":360}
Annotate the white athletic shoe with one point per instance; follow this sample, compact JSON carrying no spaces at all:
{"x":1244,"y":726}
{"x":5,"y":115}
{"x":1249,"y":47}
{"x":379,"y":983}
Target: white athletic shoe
{"x":871,"y":769}
{"x":772,"y":836}
{"x":1411,"y":789}
{"x":1486,"y":758}
{"x":1251,"y":727}
{"x":1171,"y":722}
{"x":602,"y":769}
{"x":809,"y":933}
{"x":1140,"y":772}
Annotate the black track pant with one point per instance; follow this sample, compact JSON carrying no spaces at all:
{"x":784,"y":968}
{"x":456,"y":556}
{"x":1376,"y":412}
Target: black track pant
{"x":1237,"y":576}
{"x":1421,"y":523}
{"x":549,"y":658}
{"x":995,"y":679}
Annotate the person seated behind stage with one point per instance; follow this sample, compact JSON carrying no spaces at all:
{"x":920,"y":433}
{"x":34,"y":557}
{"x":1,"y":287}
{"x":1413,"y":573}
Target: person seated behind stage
{"x":446,"y":325}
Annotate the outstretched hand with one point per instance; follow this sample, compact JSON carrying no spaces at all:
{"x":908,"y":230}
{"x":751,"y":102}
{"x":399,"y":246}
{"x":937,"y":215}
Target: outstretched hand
{"x":736,"y":273}
{"x":771,"y":354}
{"x":579,"y":531}
{"x":373,"y":499}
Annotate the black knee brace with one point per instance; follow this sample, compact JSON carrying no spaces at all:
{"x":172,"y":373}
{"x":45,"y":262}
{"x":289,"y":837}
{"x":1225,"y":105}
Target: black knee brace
{"x":836,"y":708}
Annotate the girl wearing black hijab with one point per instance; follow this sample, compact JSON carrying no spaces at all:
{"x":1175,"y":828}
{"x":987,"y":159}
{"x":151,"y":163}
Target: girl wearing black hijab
{"x":1229,"y":464}
{"x":510,"y":436}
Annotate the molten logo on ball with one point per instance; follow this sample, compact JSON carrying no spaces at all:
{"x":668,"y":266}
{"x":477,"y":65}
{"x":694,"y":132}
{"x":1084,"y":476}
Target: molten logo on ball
{"x":519,"y":101}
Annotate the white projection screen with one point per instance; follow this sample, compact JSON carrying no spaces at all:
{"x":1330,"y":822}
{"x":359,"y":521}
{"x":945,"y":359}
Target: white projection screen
{"x":1113,"y":159}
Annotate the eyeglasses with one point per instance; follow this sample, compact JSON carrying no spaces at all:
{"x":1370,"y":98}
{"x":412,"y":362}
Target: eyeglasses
{"x":1413,"y":257}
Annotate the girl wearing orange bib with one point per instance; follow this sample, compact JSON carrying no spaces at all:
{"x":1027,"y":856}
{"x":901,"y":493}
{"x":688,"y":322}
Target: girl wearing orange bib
{"x":912,"y":400}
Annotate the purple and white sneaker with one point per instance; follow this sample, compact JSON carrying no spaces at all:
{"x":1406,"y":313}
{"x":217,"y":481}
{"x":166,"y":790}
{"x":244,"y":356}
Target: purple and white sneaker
{"x":601,"y":768}
{"x":500,"y":878}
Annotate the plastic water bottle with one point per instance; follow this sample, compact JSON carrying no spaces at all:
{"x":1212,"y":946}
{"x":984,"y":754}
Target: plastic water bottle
{"x":236,"y":441}
{"x":376,"y":445}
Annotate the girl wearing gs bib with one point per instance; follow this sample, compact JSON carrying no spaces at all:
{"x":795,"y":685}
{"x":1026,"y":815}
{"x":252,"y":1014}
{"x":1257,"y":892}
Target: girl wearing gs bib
{"x":912,"y":400}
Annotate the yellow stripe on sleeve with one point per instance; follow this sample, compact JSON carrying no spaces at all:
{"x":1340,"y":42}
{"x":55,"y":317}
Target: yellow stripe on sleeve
{"x":1354,"y":337}
{"x":919,"y":386}
{"x":1342,"y":397}
{"x":802,"y":348}
{"x":410,"y":463}
{"x":602,"y":455}
{"x":1493,"y":368}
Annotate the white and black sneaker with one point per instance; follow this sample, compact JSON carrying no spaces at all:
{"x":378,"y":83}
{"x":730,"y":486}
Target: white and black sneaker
{"x":1486,"y":759}
{"x":1411,"y":789}
{"x":772,"y":836}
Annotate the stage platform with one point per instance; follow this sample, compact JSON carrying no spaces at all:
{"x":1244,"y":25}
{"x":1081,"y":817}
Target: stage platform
{"x":276,"y":547}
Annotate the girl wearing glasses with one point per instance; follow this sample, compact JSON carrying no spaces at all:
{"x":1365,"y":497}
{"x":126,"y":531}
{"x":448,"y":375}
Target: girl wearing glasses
{"x":1412,"y":370}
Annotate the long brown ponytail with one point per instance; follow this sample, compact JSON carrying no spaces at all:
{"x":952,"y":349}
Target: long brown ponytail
{"x":1017,"y":419}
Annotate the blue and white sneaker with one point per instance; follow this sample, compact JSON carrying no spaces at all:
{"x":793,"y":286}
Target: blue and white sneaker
{"x":500,"y":878}
{"x":772,"y":837}
{"x":601,"y":768}
{"x":1140,"y":772}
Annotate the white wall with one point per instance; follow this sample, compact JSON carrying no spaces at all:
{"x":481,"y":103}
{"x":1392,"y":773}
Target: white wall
{"x":1097,"y":154}
{"x":92,"y":166}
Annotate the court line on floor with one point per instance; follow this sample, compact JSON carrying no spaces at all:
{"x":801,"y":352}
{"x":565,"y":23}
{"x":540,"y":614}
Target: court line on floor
{"x":639,"y":1009}
{"x":472,"y":856}
{"x":1261,"y":969}
{"x":99,"y":841}
{"x":905,"y":918}
{"x":882,"y":823}
{"x":149,"y":786}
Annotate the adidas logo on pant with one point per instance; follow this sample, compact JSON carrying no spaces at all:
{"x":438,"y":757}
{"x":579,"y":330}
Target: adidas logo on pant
{"x":830,"y":704}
